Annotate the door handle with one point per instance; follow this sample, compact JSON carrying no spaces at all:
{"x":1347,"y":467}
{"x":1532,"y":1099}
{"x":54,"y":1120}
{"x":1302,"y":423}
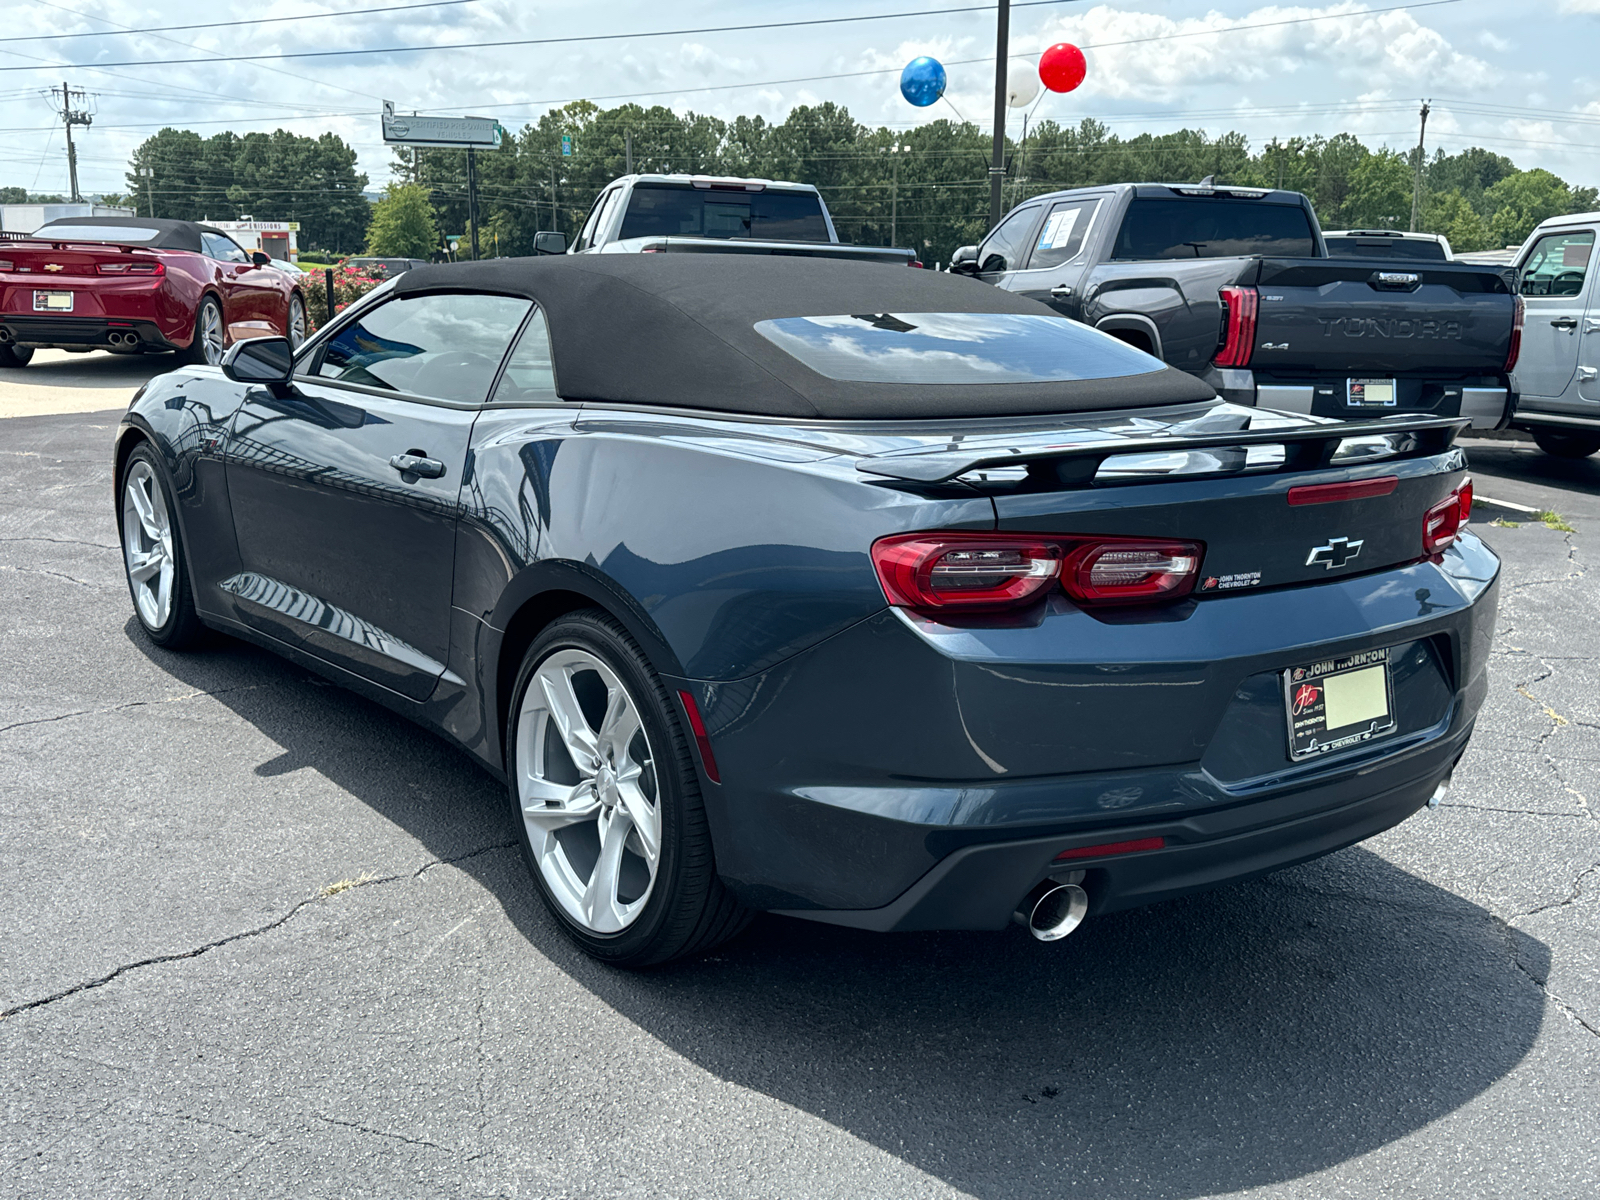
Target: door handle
{"x":1564,"y":323}
{"x":1061,"y":291}
{"x":1591,"y":324}
{"x":414,"y":462}
{"x":1586,"y":374}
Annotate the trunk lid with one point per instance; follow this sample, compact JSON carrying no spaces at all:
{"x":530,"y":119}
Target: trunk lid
{"x":29,"y":266}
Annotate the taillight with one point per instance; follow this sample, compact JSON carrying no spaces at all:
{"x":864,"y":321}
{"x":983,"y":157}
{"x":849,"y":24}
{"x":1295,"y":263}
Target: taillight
{"x":1515,"y":352}
{"x":7,"y":265}
{"x":958,"y":571}
{"x":1446,"y":519}
{"x":1240,"y":337}
{"x":1125,"y":571}
{"x":917,"y":263}
{"x":131,"y":268}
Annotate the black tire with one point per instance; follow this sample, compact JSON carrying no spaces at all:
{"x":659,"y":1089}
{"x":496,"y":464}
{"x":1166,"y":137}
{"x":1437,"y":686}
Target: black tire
{"x":194,"y":354}
{"x":181,"y":630}
{"x":688,"y":910}
{"x":15,"y":356}
{"x":1566,"y":445}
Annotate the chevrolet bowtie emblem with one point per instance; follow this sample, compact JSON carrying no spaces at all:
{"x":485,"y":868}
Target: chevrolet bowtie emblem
{"x":54,"y":267}
{"x":1336,"y":553}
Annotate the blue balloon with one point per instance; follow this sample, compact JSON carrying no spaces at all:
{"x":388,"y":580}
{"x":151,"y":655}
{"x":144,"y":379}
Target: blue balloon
{"x":922,"y":82}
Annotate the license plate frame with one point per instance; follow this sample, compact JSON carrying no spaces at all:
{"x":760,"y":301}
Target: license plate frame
{"x":1306,"y":703}
{"x":1370,"y":393}
{"x":42,"y":301}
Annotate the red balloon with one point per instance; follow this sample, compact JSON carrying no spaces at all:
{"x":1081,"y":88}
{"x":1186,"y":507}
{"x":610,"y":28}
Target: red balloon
{"x":1061,"y":68}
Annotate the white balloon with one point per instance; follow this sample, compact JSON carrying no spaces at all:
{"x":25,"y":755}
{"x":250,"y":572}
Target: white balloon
{"x":1022,"y":84}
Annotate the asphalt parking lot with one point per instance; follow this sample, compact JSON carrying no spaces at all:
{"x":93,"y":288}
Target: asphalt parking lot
{"x":260,"y":937}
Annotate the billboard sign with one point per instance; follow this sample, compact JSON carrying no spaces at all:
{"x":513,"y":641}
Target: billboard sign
{"x":457,"y":132}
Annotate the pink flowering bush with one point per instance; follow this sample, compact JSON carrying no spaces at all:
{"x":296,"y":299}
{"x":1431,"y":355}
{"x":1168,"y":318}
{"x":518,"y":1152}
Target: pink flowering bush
{"x":349,"y":283}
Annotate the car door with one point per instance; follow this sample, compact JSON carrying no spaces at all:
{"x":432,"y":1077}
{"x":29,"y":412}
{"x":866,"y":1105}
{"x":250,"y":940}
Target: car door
{"x":1053,"y":271}
{"x":1005,"y":250}
{"x":232,"y":271}
{"x":345,"y":488}
{"x":1555,"y":284}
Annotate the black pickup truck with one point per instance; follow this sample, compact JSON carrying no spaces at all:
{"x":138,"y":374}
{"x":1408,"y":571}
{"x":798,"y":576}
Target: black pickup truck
{"x":1235,"y":285}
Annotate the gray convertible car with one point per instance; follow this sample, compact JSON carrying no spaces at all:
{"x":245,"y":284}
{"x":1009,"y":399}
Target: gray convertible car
{"x":861,"y":594}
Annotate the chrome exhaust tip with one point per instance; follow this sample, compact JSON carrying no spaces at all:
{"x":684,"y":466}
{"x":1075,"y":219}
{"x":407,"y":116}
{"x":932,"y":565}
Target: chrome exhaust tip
{"x":5,"y":335}
{"x":1440,"y":792}
{"x":1052,"y":910}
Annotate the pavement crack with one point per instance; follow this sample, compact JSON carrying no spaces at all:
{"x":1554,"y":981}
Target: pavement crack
{"x":323,"y":894}
{"x":61,"y":542}
{"x":100,"y":712}
{"x":1509,"y":931}
{"x":54,"y":575}
{"x":1572,"y":898}
{"x":1520,"y":812}
{"x":398,"y":1137}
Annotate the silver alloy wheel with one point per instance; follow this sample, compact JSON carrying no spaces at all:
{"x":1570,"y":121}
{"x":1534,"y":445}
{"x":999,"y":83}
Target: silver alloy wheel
{"x":297,"y":322}
{"x":211,"y":331}
{"x":147,"y":544}
{"x":587,"y":786}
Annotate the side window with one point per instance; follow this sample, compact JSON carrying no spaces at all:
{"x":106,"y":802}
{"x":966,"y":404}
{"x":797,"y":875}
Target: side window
{"x":1007,"y":247}
{"x":446,"y":347}
{"x":586,"y":235}
{"x":1063,"y":233}
{"x":607,"y":215}
{"x":530,"y":374}
{"x":1557,"y":264}
{"x":222,"y":249}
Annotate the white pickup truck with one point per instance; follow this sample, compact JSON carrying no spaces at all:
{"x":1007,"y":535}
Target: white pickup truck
{"x":687,"y":214}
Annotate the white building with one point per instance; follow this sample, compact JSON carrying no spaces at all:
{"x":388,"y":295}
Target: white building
{"x":25,"y":218}
{"x":276,"y":239}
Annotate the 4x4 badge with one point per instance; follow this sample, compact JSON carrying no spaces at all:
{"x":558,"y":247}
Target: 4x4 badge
{"x":1336,"y":553}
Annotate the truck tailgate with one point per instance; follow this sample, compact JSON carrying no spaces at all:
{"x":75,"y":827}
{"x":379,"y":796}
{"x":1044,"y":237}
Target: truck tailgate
{"x":1353,"y":317}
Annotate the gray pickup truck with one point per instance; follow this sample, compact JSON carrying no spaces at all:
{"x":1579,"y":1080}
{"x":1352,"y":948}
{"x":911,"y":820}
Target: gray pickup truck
{"x":700,"y":214}
{"x":1235,"y":285}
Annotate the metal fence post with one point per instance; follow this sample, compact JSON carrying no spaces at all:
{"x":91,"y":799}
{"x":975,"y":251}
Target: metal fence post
{"x":327,"y":274}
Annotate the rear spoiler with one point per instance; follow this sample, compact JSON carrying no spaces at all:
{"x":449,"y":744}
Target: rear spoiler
{"x":1305,"y":448}
{"x":697,"y":245}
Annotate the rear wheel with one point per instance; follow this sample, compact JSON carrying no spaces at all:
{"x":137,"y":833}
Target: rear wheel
{"x":153,"y":555}
{"x":206,"y":347}
{"x":1566,"y":445}
{"x":15,"y":356}
{"x":295,"y":327}
{"x":607,"y":800}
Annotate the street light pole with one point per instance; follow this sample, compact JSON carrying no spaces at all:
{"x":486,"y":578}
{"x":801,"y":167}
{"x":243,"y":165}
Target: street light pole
{"x":997,"y":167}
{"x":894,"y":195}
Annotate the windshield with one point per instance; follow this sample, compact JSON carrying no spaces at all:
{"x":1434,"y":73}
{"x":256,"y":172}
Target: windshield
{"x":134,"y":234}
{"x":664,"y":210}
{"x":1425,"y":249}
{"x":1213,"y":227}
{"x":968,"y":348}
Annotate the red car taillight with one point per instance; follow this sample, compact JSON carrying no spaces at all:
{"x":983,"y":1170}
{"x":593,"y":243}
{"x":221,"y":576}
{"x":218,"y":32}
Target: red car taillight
{"x":131,"y":268}
{"x":1446,"y":519}
{"x":7,"y":265}
{"x":1515,"y":352}
{"x":958,"y":571}
{"x":1240,"y":337}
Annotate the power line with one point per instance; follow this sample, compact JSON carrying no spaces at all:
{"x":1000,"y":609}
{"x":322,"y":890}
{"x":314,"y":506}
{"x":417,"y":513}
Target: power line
{"x":124,"y":32}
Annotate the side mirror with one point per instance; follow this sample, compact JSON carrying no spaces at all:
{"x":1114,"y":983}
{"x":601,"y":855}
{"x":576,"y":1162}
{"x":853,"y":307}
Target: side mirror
{"x":992,"y":265}
{"x":260,"y":259}
{"x":964,"y":261}
{"x":259,"y":360}
{"x":548,"y":241}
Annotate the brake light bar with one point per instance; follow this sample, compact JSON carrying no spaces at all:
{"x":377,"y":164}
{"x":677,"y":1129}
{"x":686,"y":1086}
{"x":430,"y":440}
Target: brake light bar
{"x":960,"y":571}
{"x":1332,"y":493}
{"x":1242,"y":304}
{"x":1444,"y":522}
{"x":1515,"y":352}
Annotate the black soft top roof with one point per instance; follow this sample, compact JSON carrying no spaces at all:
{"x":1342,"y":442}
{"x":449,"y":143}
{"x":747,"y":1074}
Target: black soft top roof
{"x":171,"y":235}
{"x":679,"y":330}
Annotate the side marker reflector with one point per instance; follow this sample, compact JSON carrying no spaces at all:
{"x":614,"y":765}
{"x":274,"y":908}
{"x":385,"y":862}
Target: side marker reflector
{"x":698,"y":727}
{"x":1105,"y":848}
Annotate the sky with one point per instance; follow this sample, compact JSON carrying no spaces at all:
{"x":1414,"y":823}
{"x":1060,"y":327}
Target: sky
{"x":1519,"y":77}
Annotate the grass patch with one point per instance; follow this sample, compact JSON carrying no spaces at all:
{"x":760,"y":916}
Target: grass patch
{"x":1502,"y":523}
{"x":1554,"y":520}
{"x":344,"y":885}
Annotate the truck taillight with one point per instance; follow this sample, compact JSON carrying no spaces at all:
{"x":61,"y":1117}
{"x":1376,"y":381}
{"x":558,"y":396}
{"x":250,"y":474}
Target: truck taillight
{"x":1446,"y":519}
{"x":1515,"y":351}
{"x":1239,"y":337}
{"x":947,"y":572}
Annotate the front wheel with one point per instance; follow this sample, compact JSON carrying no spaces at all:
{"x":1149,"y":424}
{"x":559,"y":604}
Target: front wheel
{"x":1566,"y":445}
{"x":153,"y":555}
{"x":607,"y":800}
{"x":15,"y":356}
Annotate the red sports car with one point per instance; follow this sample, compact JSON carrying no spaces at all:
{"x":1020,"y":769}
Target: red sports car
{"x":137,"y":284}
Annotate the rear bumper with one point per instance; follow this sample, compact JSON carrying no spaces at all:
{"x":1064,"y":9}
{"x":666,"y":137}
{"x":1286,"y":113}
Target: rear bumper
{"x":901,"y":776}
{"x":79,"y":333}
{"x":1486,"y":402}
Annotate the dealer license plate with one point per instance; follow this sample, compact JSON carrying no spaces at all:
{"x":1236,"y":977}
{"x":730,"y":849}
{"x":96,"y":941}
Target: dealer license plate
{"x":52,"y":302}
{"x":1369,"y":393}
{"x":1338,"y":703}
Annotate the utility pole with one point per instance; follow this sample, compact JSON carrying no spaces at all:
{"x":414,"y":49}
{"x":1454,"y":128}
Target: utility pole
{"x":997,"y":166}
{"x":894,"y":195}
{"x":555,"y":219}
{"x":627,"y":143}
{"x":472,"y":199}
{"x":1416,"y":177}
{"x":147,"y":174}
{"x":69,"y":117}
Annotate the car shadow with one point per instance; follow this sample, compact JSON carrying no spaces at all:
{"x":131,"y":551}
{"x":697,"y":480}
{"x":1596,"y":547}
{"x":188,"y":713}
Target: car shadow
{"x":96,"y":369}
{"x":1240,"y":1038}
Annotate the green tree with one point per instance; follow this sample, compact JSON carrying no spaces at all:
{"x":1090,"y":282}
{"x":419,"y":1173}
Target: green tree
{"x":402,"y":223}
{"x":1520,"y":201}
{"x":1451,"y":214}
{"x":1380,"y":192}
